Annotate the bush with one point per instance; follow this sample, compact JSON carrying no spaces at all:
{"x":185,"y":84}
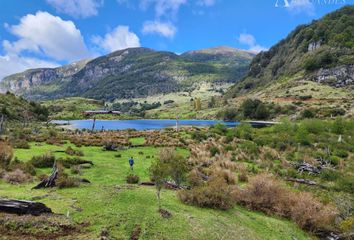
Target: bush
{"x":308,"y":113}
{"x":242,"y":177}
{"x":45,"y":161}
{"x":215,"y":194}
{"x":345,"y":183}
{"x":17,"y":176}
{"x":64,"y":181}
{"x":132,"y":179}
{"x":213,"y":151}
{"x":266,"y":194}
{"x":340,"y":153}
{"x":6,"y":154}
{"x":76,"y":169}
{"x":110,"y":146}
{"x":26,"y":167}
{"x":329,"y":175}
{"x":255,"y":109}
{"x":70,"y":151}
{"x":23,"y":144}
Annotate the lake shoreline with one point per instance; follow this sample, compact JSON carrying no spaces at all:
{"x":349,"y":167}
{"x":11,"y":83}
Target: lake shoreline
{"x":137,"y":124}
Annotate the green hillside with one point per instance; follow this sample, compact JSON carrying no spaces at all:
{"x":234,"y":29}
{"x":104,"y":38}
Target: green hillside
{"x":19,"y":109}
{"x":322,"y":51}
{"x":131,"y":73}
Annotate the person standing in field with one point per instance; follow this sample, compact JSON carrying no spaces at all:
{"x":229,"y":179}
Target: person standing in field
{"x":131,"y":163}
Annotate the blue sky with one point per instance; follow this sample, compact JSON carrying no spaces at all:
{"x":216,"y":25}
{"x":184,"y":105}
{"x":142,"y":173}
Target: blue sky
{"x":48,"y":33}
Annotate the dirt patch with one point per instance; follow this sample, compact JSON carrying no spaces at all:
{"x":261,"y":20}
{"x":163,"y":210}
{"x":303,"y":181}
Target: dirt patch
{"x":164,"y":213}
{"x":136,"y":232}
{"x":46,"y":226}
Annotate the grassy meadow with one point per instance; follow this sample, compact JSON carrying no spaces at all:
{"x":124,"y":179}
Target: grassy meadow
{"x":110,"y":205}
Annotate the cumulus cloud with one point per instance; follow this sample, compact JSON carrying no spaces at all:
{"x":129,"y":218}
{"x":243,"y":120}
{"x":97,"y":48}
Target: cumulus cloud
{"x":10,"y":64}
{"x":119,"y":38}
{"x":42,"y":41}
{"x":77,"y":8}
{"x":250,"y":41}
{"x":47,"y":34}
{"x":165,"y":29}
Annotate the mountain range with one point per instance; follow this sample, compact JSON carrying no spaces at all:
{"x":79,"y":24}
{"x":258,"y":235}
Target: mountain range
{"x":132,"y":73}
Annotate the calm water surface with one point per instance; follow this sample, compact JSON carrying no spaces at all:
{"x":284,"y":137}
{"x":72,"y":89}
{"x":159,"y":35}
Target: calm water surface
{"x":140,"y":124}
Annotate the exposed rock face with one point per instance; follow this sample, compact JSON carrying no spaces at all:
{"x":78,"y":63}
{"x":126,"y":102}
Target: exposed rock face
{"x":129,"y":73}
{"x":34,"y":77}
{"x":341,"y":76}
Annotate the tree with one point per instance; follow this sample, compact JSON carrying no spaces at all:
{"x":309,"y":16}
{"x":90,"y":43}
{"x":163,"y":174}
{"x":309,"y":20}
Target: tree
{"x":170,"y":164}
{"x":212,"y":102}
{"x":177,"y":165}
{"x":198,"y":104}
{"x":159,"y":172}
{"x":262,"y":112}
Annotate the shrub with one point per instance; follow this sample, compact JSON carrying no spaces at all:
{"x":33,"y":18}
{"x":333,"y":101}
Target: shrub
{"x":329,"y":175}
{"x":76,"y":169}
{"x":64,"y":181}
{"x":345,"y":183}
{"x":244,"y":131}
{"x":6,"y":154}
{"x":110,"y":146}
{"x":23,"y":144}
{"x":45,"y":161}
{"x":309,"y":213}
{"x":242,"y":177}
{"x":266,"y":194}
{"x":215,"y":194}
{"x":26,"y":167}
{"x":341,"y":153}
{"x":214,"y":150}
{"x":70,"y":151}
{"x":17,"y":176}
{"x":308,"y":113}
{"x":132,"y":179}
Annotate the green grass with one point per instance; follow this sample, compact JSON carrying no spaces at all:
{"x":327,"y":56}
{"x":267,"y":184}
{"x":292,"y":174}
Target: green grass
{"x":110,"y":203}
{"x":137,"y":140}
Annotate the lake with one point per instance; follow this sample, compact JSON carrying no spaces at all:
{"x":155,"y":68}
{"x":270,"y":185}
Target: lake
{"x":140,"y":124}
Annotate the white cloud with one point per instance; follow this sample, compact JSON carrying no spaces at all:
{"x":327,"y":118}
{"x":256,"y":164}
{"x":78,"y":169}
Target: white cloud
{"x":165,"y":29}
{"x":43,"y":40}
{"x":10,"y":64}
{"x":250,"y":41}
{"x":247,"y":39}
{"x":77,"y":8}
{"x":206,"y":3}
{"x":298,"y":6}
{"x":167,"y":8}
{"x":49,"y":35}
{"x":119,"y":38}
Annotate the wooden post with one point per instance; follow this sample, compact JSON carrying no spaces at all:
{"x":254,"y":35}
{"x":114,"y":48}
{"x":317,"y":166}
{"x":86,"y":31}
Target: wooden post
{"x":94,"y":124}
{"x":177,"y":124}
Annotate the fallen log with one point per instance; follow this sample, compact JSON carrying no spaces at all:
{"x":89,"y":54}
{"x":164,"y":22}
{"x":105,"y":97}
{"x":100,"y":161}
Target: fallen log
{"x":50,"y":181}
{"x":301,"y":180}
{"x":305,"y":181}
{"x":147,"y":184}
{"x":23,"y":207}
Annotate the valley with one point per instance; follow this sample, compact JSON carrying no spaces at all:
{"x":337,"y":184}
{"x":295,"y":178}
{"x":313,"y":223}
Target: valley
{"x":94,"y":146}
